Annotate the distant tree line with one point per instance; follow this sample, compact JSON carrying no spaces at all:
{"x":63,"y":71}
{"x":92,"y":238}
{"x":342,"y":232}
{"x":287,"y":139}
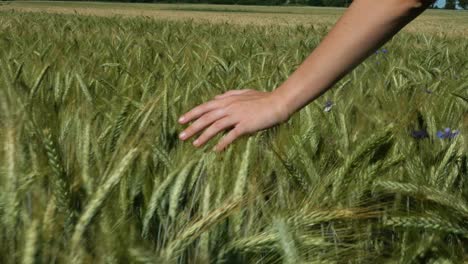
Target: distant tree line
{"x":336,"y":3}
{"x":449,"y":4}
{"x":452,"y":4}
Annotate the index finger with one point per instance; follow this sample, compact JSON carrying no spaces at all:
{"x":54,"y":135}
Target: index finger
{"x":198,"y":111}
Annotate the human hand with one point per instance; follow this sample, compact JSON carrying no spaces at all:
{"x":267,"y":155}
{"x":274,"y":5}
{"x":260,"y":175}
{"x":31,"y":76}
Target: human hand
{"x":244,"y":111}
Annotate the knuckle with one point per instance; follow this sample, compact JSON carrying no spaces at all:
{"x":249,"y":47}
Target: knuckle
{"x":199,"y":124}
{"x":228,"y":109}
{"x":232,"y":106}
{"x":189,"y":132}
{"x":194,"y":112}
{"x":201,"y":108}
{"x":190,"y":113}
{"x":202,"y":120}
{"x":202,"y":138}
{"x":237,"y":132}
{"x":242,"y":129}
{"x":218,"y":125}
{"x":220,"y":112}
{"x":206,"y":106}
{"x":195,"y":126}
{"x":214,"y":105}
{"x":212,"y":116}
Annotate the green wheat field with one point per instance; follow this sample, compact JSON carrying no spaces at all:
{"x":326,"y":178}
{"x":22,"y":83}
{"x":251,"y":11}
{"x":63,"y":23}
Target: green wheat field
{"x":92,"y":170}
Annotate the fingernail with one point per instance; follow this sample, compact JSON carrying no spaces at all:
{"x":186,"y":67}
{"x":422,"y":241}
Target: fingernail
{"x":196,"y":142}
{"x":182,"y":135}
{"x":181,"y":119}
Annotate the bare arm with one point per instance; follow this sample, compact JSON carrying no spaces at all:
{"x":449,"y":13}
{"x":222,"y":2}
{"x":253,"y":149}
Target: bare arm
{"x":366,"y":25}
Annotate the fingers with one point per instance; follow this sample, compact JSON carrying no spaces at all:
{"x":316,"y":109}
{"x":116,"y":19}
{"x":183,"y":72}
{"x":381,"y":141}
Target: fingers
{"x":232,"y":92}
{"x":209,"y":106}
{"x":202,"y":122}
{"x":214,"y":129}
{"x":198,"y":111}
{"x":213,"y":115}
{"x":228,"y":139}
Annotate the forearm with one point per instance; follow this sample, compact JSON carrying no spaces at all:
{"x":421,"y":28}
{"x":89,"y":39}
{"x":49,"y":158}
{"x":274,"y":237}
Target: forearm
{"x":365,"y":26}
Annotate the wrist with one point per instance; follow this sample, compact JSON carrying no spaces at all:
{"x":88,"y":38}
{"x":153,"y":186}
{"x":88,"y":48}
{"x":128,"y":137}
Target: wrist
{"x":281,"y":106}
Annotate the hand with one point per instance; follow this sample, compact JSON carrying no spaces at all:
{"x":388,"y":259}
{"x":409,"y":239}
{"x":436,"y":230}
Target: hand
{"x":244,"y":111}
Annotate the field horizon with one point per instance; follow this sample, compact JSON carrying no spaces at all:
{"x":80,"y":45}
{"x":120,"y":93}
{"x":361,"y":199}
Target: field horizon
{"x":449,"y":22}
{"x":92,"y":170}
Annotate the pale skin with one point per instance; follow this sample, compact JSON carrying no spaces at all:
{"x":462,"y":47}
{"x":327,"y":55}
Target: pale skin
{"x":364,"y":27}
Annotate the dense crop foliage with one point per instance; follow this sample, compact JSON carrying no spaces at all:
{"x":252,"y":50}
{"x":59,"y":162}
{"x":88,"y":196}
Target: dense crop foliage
{"x":92,"y":170}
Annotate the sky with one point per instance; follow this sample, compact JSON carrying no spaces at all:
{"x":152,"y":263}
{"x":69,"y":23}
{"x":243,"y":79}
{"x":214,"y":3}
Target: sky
{"x":440,"y":3}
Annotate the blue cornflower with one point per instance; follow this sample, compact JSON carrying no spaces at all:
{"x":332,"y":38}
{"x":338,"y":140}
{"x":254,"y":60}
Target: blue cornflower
{"x":447,"y":133}
{"x":328,"y":106}
{"x":419,"y":134}
{"x":384,"y":51}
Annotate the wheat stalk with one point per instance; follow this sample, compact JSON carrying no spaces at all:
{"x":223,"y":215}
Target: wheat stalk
{"x":178,"y":187}
{"x":101,"y":194}
{"x":119,"y":123}
{"x":38,"y":81}
{"x":85,"y":158}
{"x":429,"y":193}
{"x":241,"y":182}
{"x":84,"y":88}
{"x":356,"y":158}
{"x":156,"y":197}
{"x":192,"y":232}
{"x":10,"y":215}
{"x":430,"y":222}
{"x":286,"y":241}
{"x":30,"y":247}
{"x":61,"y":188}
{"x":205,"y":237}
